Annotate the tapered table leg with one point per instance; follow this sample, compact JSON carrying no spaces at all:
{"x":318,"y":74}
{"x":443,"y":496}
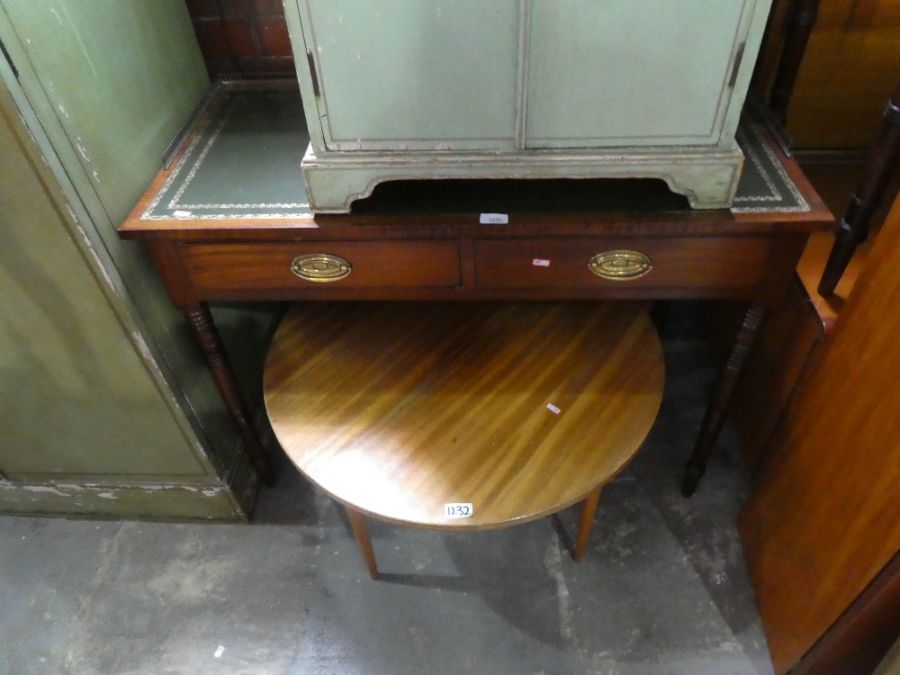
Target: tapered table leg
{"x":361,"y":532}
{"x":718,"y":407}
{"x":588,"y":511}
{"x":853,"y":229}
{"x":210,"y":343}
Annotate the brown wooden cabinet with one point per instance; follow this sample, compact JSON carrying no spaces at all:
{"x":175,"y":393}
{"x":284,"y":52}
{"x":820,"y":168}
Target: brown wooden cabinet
{"x":821,"y":528}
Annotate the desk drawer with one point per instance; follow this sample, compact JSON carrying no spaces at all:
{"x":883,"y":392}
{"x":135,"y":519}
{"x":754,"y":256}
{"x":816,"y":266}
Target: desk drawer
{"x":217,"y":269}
{"x":733,"y":263}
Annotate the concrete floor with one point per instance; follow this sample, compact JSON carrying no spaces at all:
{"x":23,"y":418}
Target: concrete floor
{"x":663,"y":589}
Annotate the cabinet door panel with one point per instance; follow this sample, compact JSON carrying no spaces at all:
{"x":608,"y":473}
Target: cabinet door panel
{"x":415,"y":74}
{"x":627,"y":72}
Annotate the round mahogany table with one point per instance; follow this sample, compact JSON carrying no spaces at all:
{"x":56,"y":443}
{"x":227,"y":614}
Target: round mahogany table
{"x":463,"y":416}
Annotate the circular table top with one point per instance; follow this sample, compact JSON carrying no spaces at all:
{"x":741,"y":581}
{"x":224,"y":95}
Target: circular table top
{"x":516,"y":409}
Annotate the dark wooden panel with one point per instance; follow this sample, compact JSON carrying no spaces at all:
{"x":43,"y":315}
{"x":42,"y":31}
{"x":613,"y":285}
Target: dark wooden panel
{"x":848,"y":72}
{"x":822,"y":520}
{"x":732,"y":263}
{"x":857,"y":642}
{"x":221,"y":269}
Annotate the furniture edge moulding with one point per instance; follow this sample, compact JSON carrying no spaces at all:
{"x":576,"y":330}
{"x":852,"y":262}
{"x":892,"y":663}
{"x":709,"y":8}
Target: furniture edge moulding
{"x":385,"y":227}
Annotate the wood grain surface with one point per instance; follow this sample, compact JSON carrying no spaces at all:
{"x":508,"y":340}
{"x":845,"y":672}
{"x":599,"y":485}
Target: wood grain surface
{"x":848,"y":73}
{"x":678,"y":262}
{"x":822,"y":521}
{"x":227,"y":266}
{"x":397,"y":409}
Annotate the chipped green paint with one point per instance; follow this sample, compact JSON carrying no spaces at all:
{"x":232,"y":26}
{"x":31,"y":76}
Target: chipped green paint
{"x":146,"y":501}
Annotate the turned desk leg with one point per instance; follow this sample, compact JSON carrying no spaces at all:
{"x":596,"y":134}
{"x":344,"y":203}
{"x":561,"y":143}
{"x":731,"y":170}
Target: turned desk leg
{"x":210,"y":343}
{"x":853,"y":229}
{"x":588,"y":513}
{"x":361,"y":532}
{"x":718,"y":407}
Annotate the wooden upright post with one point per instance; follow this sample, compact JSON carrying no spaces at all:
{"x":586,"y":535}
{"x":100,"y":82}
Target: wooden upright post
{"x":853,"y":229}
{"x":803,"y":17}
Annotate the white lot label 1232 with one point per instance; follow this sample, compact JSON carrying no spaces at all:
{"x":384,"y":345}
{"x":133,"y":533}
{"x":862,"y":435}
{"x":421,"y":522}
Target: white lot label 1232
{"x":458,"y":510}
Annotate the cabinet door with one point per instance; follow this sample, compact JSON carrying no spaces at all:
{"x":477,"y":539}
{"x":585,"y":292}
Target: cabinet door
{"x":414,"y":74}
{"x":631,"y":72}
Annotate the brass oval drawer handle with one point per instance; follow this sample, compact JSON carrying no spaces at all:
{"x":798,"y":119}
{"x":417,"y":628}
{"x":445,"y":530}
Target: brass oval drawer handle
{"x":621,"y":265}
{"x":321,"y":268}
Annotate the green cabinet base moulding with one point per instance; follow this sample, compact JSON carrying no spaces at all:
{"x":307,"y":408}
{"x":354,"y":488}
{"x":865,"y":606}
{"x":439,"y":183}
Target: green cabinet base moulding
{"x":413,"y":89}
{"x":146,"y":501}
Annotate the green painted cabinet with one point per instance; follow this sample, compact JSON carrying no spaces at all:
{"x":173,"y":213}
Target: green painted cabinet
{"x":524,"y":89}
{"x":105,"y":407}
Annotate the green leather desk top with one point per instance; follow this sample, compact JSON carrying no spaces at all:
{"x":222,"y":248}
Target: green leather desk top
{"x":242,"y":160}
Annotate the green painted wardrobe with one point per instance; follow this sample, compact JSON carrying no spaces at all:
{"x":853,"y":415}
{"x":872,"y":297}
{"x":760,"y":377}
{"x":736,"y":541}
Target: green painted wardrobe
{"x":105,"y":410}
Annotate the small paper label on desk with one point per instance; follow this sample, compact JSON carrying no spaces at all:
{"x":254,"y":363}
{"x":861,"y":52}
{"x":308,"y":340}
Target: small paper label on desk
{"x":494,"y":219}
{"x":552,"y":408}
{"x":540,"y":262}
{"x":459,"y":510}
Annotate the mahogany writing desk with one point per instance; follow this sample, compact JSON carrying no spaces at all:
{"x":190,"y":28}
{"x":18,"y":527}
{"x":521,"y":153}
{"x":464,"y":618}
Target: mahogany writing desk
{"x":228,"y":220}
